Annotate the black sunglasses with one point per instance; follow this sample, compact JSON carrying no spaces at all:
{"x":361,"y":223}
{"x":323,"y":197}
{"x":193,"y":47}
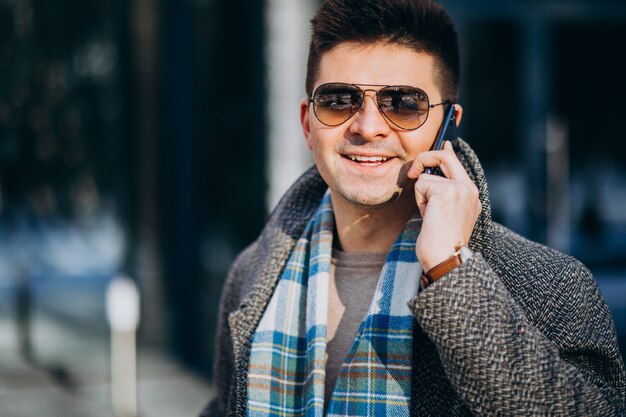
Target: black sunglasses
{"x":404,"y":106}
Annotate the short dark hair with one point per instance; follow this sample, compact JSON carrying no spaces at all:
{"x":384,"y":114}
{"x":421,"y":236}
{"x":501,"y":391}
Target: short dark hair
{"x":421,"y":25}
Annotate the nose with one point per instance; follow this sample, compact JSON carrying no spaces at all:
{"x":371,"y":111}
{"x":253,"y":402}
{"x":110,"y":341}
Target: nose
{"x":369,"y":123}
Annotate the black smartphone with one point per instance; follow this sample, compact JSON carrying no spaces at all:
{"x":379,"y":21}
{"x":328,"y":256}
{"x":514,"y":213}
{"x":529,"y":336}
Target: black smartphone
{"x":447,"y":131}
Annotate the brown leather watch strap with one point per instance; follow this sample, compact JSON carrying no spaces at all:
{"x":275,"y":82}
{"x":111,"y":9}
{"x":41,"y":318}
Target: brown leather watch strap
{"x":440,"y":270}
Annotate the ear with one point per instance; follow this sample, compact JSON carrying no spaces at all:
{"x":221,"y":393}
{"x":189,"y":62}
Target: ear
{"x":305,"y":121}
{"x":459,"y":114}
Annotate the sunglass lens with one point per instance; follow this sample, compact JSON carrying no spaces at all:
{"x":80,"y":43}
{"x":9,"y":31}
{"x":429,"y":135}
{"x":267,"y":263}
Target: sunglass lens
{"x":335,"y":103}
{"x":406,"y":107}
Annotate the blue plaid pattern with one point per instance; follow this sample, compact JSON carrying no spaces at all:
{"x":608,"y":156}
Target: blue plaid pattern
{"x":286,"y":374}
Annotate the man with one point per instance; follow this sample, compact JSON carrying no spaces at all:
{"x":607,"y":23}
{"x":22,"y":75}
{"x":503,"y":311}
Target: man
{"x":380,"y":288}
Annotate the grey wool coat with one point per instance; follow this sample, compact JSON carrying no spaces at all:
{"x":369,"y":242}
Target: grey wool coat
{"x":517,"y":330}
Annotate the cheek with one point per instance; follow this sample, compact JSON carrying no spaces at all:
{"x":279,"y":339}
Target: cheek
{"x":316,"y":147}
{"x":324,"y":156}
{"x":320,"y":142}
{"x":422,"y":141}
{"x":416,"y":145}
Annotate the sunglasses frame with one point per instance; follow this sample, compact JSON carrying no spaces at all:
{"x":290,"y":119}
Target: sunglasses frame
{"x":378,"y":104}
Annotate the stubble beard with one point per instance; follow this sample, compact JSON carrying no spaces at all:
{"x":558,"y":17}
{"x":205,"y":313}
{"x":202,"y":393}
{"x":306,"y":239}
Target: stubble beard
{"x":360,"y":196}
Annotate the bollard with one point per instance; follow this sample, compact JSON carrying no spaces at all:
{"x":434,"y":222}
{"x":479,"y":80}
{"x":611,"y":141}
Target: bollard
{"x":122,"y":308}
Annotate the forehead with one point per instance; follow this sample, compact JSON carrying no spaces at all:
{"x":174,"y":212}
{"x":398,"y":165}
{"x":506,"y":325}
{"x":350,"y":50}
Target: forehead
{"x":378,"y":63}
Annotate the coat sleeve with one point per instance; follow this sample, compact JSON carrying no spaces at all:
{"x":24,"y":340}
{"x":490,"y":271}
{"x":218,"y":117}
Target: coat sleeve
{"x":563,"y":362}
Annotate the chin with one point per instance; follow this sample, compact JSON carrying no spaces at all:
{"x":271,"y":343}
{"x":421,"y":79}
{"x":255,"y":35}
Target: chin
{"x":371,"y":201}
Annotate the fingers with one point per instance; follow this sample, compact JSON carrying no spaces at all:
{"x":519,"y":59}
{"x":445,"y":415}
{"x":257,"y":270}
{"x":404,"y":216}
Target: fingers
{"x":447,"y":194}
{"x":429,"y":186}
{"x":445,"y":159}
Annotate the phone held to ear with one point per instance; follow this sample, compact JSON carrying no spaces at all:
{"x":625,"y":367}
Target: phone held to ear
{"x":448,"y":131}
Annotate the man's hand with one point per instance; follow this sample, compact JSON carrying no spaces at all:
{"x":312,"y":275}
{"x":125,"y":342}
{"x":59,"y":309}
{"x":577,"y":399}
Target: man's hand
{"x":449,"y":206}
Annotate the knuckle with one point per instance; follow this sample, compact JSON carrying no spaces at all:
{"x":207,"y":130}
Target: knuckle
{"x":454,"y":189}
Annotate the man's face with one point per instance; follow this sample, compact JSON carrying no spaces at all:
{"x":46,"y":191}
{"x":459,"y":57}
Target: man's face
{"x":339,"y":151}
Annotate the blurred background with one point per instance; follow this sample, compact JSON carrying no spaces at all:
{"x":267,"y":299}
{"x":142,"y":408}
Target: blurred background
{"x":152,"y":138}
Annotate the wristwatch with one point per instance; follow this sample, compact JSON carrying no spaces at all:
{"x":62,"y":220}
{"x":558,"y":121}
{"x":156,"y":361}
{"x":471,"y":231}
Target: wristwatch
{"x":461,"y":254}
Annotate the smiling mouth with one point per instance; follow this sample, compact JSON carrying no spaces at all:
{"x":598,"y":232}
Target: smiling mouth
{"x":370,"y":161}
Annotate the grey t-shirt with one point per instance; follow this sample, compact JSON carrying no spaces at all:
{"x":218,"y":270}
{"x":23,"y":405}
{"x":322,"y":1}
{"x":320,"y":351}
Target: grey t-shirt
{"x":353,"y":280}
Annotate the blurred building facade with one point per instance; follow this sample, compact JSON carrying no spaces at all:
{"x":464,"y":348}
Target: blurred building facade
{"x":153,"y":138}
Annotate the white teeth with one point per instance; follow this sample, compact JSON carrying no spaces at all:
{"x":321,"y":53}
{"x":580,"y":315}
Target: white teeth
{"x":361,"y":158}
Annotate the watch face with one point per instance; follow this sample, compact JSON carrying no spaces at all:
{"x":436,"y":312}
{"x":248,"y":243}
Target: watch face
{"x":465,"y":253}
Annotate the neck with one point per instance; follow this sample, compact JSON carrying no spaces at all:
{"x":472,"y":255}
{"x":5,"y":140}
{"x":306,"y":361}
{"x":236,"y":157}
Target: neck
{"x":372,"y":230}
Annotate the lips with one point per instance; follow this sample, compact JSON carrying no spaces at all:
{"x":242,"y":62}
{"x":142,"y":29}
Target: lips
{"x":368,"y":160}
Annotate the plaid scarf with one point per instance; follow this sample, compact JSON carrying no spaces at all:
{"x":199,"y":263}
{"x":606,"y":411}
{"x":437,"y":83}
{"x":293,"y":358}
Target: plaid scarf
{"x":286,"y":374}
